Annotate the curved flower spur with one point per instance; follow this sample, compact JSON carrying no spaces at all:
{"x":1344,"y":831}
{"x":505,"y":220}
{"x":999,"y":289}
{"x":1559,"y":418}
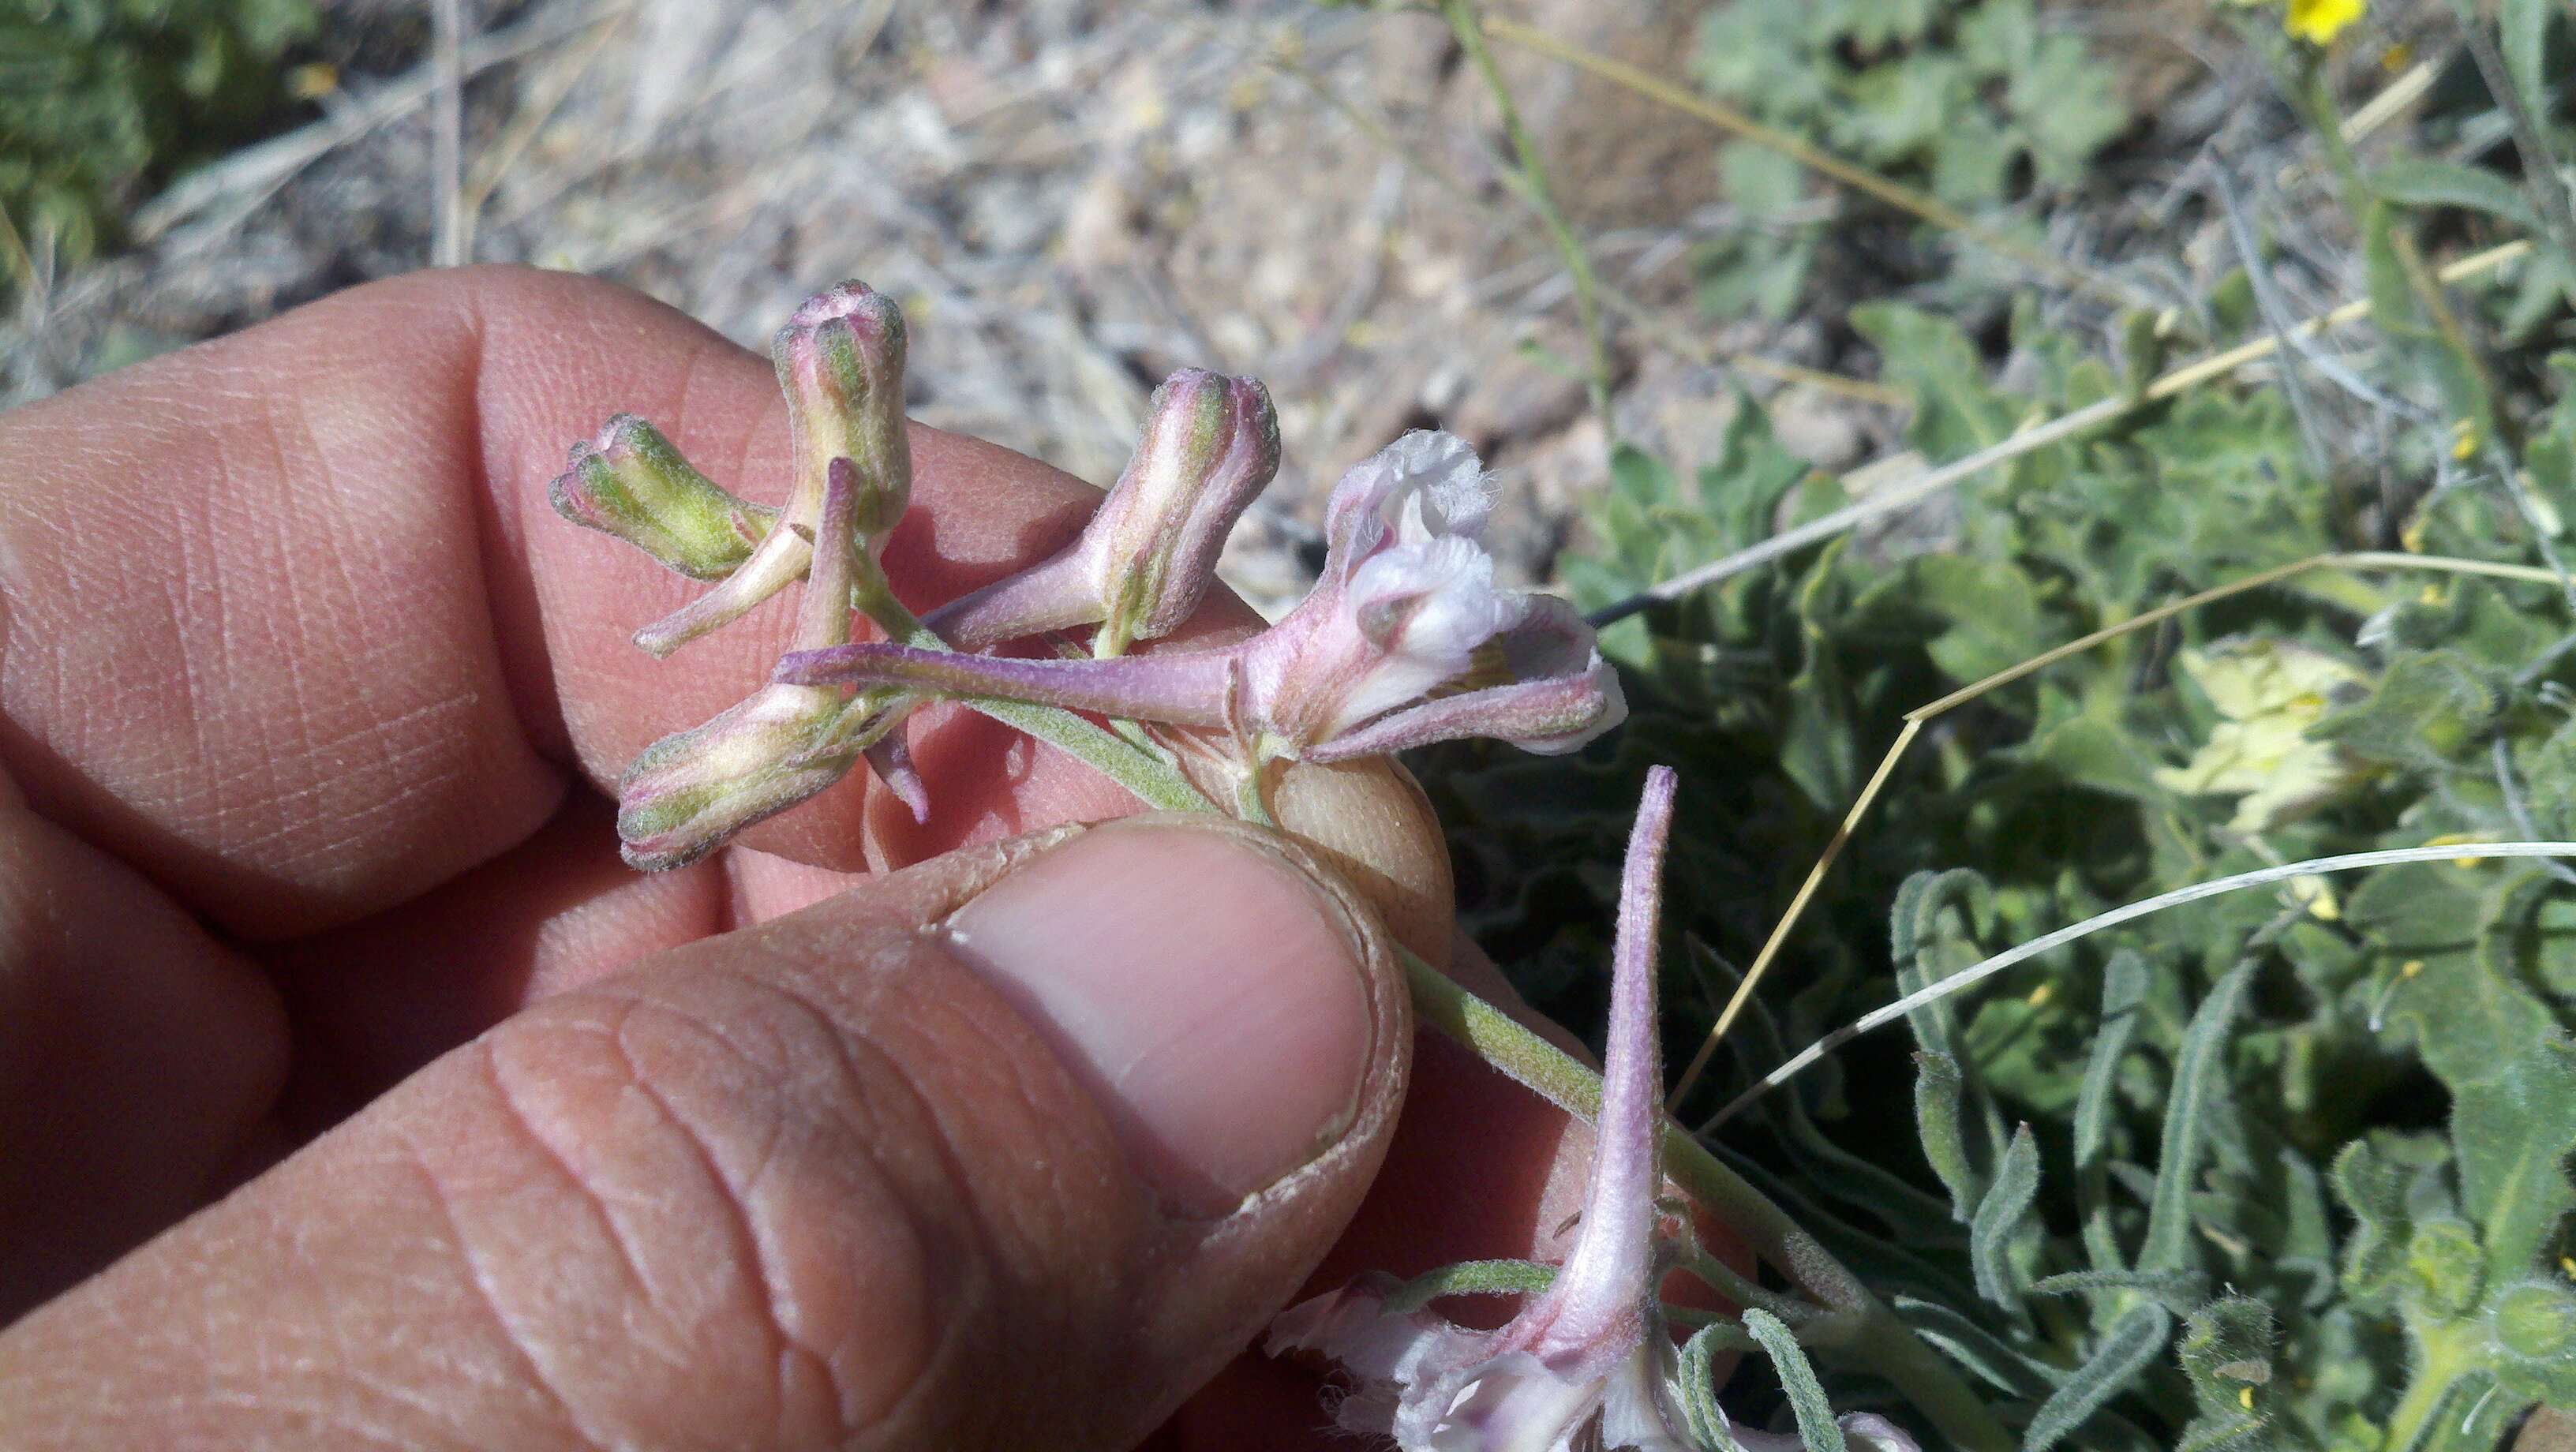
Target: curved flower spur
{"x":1589,"y":1363}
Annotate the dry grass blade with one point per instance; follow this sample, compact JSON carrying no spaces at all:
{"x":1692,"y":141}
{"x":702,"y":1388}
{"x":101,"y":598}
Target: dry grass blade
{"x":2216,"y":887}
{"x":1646,"y":320}
{"x":2065,"y":426}
{"x":1915,"y":719}
{"x":1824,"y":163}
{"x":447,"y":135}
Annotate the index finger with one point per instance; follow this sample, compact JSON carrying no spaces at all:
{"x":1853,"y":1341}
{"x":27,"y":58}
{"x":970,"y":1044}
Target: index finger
{"x":290,"y":626}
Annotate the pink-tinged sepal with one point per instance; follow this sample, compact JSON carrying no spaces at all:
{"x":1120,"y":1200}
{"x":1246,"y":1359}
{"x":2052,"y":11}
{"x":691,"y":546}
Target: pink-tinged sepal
{"x":631,"y":483}
{"x":1148,"y":556}
{"x":891,"y":760}
{"x":840,"y":361}
{"x":1056,"y":595}
{"x":1211,"y":445}
{"x":692,"y":791}
{"x":1558,"y":694}
{"x":1408,"y":640}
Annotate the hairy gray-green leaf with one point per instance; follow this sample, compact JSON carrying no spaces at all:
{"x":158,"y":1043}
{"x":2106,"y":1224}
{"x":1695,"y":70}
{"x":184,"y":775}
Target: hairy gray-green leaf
{"x":2422,"y":183}
{"x":1817,"y":1428}
{"x":2002,"y":1220}
{"x":2131,"y":1345}
{"x":1937,"y":1091}
{"x":2513,"y":1134}
{"x":2124,"y":988}
{"x":2198,"y":1078}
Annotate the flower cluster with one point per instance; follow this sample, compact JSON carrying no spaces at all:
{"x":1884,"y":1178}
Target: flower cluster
{"x":1589,"y":1362}
{"x":1405,"y":640}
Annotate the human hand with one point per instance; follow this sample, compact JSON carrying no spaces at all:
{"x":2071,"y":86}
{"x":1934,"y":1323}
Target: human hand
{"x":311,"y":701}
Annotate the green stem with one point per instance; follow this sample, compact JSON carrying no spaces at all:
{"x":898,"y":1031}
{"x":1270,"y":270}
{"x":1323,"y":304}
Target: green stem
{"x":2449,"y":1363}
{"x":1875,"y":1336}
{"x":1152,"y":782}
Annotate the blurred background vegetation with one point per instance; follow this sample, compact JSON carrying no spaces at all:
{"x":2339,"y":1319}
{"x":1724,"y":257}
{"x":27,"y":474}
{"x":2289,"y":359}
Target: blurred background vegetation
{"x":2282,"y":1168}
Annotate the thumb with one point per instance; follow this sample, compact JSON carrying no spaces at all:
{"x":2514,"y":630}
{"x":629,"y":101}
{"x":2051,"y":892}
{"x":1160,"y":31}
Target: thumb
{"x":1011,"y":1149}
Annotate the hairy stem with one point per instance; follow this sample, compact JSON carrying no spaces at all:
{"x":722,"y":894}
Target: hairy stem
{"x":1152,"y":782}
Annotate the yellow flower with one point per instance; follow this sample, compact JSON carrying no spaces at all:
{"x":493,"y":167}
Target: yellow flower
{"x":2269,"y":693}
{"x":2322,"y":20}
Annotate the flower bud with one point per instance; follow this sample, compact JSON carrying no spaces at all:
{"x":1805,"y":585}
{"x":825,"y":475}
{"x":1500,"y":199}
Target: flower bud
{"x":630,"y":482}
{"x":690,"y":791}
{"x":1405,"y":641}
{"x":1149,"y":554}
{"x":840,"y":362}
{"x":1211,"y":444}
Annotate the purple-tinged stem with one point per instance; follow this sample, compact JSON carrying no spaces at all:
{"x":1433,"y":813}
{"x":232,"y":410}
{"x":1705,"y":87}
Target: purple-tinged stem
{"x":823,"y":617}
{"x":1180,"y":688}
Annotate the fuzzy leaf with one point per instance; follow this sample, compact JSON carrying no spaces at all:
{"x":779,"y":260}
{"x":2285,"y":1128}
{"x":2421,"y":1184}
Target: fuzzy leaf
{"x":2002,"y":1220}
{"x":1471,"y":1278}
{"x":2131,"y":1345}
{"x":2525,"y":41}
{"x":2421,"y":183}
{"x":2199,"y":1073}
{"x":1937,"y":1119}
{"x":2124,"y":988}
{"x":2513,"y":1134}
{"x":2226,"y":1352}
{"x":1817,"y":1429}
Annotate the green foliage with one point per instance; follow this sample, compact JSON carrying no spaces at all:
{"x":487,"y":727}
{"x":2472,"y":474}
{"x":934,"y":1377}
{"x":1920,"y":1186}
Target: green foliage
{"x":1978,"y":101}
{"x":99,"y":98}
{"x":2283,"y":1169}
{"x":2343,"y":1105}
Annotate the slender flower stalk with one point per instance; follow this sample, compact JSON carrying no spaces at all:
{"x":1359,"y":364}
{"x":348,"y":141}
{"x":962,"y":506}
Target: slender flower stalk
{"x":1405,"y":640}
{"x":1140,"y":568}
{"x":691,"y":791}
{"x":840,"y":362}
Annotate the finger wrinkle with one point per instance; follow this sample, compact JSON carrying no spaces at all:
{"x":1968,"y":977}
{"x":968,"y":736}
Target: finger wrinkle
{"x":852,"y":1274}
{"x":754,"y":1238}
{"x":481,"y":1281}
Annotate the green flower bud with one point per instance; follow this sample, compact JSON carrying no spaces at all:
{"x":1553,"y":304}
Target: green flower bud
{"x":630,"y":482}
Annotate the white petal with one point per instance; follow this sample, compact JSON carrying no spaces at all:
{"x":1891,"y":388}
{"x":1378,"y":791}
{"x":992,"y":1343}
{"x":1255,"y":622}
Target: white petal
{"x":1422,"y":611}
{"x":1440,"y":597}
{"x":1352,"y":1326}
{"x":1510,"y":1404}
{"x":1870,"y":1432}
{"x":1636,"y":1410}
{"x":1421,"y":486}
